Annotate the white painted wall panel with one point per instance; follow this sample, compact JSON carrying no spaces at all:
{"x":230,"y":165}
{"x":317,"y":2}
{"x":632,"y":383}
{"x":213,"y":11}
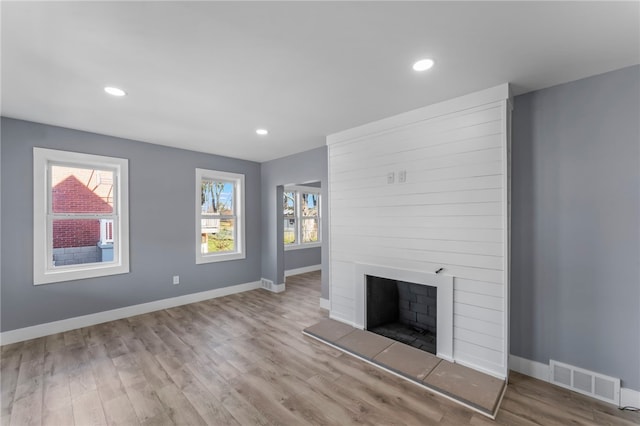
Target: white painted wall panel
{"x":386,"y":242}
{"x":449,"y":213}
{"x":478,"y":326}
{"x":480,"y":300}
{"x":478,"y":313}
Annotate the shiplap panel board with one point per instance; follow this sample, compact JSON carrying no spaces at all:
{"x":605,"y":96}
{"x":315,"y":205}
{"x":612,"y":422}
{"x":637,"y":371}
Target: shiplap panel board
{"x":476,"y":354}
{"x":478,"y":326}
{"x":450,"y":197}
{"x":481,"y":274}
{"x":479,"y":287}
{"x":449,"y":213}
{"x":476,"y":312}
{"x":480,"y":339}
{"x":471,"y":247}
{"x":345,"y":290}
{"x":480,"y":300}
{"x":410,"y":160}
{"x":371,"y":177}
{"x":428,"y":133}
{"x":465,"y":151}
{"x":344,"y":302}
{"x":468,"y":209}
{"x":376,"y":186}
{"x":434,"y":180}
{"x":482,"y":222}
{"x":445,"y":258}
{"x":481,"y":235}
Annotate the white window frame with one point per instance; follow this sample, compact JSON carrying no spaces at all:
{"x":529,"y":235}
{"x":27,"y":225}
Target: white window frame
{"x":43,"y":270}
{"x":298,"y":190}
{"x":238,"y":199}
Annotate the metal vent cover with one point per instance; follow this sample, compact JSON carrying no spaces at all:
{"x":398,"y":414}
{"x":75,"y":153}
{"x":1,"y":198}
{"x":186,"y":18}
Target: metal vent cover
{"x":586,"y":382}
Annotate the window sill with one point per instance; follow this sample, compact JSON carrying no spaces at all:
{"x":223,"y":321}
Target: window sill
{"x":301,"y":246}
{"x":79,"y":273}
{"x":219,"y":258}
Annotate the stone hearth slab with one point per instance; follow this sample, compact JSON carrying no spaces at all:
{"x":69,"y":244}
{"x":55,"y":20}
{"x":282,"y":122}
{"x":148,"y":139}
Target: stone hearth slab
{"x":407,"y":360}
{"x":464,"y":385}
{"x":364,"y":343}
{"x":477,"y":389}
{"x":329,"y":330}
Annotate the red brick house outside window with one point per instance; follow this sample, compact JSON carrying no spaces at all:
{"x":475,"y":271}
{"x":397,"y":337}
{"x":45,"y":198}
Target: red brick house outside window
{"x":82,"y":191}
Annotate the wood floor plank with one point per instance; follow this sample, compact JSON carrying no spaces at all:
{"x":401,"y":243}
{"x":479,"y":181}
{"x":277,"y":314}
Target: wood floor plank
{"x":56,"y":401}
{"x":146,"y":403}
{"x":87,"y":409}
{"x":10,"y":368}
{"x":120,"y":411}
{"x":178,"y":408}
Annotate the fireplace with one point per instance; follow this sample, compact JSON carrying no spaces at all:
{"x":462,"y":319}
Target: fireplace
{"x":403,"y":311}
{"x":440,"y":286}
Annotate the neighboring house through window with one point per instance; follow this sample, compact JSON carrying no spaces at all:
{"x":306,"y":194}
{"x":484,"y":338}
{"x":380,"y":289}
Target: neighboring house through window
{"x":301,"y":209}
{"x":80,"y":216}
{"x":219,"y":216}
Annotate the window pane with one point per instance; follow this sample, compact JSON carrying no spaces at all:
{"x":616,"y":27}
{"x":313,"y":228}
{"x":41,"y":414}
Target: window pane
{"x":310,"y":230}
{"x":218,"y":235}
{"x":77,"y":241}
{"x":79,"y":190}
{"x":289,"y":231}
{"x":289,"y":205}
{"x":216,"y":197}
{"x":309,"y":204}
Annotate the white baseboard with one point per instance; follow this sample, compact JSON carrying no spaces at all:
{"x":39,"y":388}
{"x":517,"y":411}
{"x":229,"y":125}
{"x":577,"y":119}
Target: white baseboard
{"x":302,"y":270}
{"x":540,"y":371}
{"x":279,"y":288}
{"x":40,"y":330}
{"x":529,"y":368}
{"x":629,"y":398}
{"x":325,"y":304}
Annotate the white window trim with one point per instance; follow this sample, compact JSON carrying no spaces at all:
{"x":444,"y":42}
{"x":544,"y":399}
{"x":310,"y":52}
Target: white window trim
{"x":238,"y":180}
{"x":43,"y":270}
{"x":299,"y":245}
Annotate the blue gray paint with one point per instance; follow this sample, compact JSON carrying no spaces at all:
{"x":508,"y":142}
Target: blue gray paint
{"x":300,"y":258}
{"x":162,"y":226}
{"x":575,"y":283}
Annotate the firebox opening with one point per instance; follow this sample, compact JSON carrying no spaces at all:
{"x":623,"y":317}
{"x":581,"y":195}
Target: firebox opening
{"x":402,"y":311}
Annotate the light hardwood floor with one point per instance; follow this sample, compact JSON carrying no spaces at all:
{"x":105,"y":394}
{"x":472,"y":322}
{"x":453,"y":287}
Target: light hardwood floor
{"x":242,"y":359}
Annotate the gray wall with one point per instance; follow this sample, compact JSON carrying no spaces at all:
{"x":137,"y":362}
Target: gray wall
{"x":309,"y":166}
{"x":300,"y":258}
{"x":162,"y":226}
{"x":576,"y":225}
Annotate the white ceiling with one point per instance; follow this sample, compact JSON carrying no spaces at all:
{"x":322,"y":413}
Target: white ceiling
{"x":204,"y":75}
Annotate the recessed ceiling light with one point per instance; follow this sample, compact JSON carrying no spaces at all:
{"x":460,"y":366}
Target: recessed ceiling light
{"x":114,"y":91}
{"x":262,"y":132}
{"x":423,"y":64}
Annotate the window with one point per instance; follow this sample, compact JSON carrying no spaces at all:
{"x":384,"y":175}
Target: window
{"x":301,"y":209}
{"x":219,"y":216}
{"x":80,"y":217}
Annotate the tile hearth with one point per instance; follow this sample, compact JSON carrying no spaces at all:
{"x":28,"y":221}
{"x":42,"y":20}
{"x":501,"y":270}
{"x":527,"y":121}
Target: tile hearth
{"x":465,"y":385}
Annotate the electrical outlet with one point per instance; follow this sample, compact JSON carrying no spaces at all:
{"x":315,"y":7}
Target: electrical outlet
{"x":176,"y":279}
{"x":402,"y":176}
{"x":390,"y":177}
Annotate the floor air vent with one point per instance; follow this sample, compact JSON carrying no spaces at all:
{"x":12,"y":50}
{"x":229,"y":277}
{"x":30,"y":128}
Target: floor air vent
{"x":586,"y":382}
{"x":267,"y":284}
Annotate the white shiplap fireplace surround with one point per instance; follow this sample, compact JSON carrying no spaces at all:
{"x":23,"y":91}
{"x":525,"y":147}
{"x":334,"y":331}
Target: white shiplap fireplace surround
{"x":421,"y":191}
